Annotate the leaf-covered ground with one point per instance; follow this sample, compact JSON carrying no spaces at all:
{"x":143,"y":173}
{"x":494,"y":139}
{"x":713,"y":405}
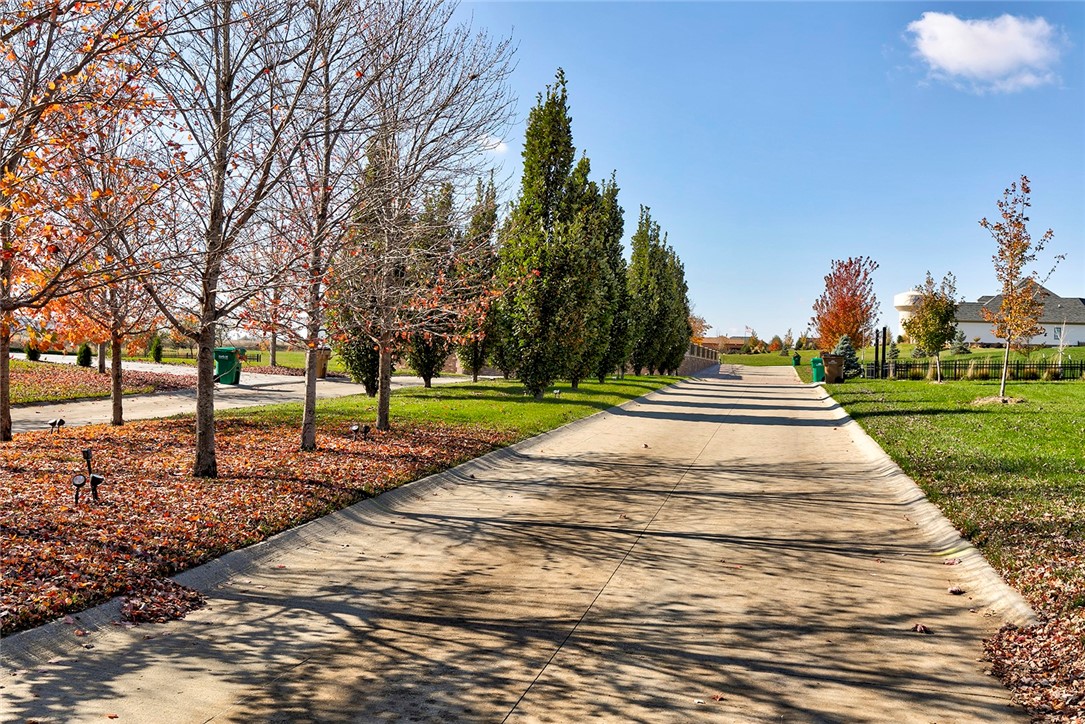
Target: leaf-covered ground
{"x":56,"y":382}
{"x":280,"y":370}
{"x":1012,"y":479}
{"x":155,"y":519}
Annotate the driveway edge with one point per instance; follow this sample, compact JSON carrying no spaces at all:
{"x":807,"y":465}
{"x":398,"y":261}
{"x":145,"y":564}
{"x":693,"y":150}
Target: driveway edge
{"x":982,"y":579}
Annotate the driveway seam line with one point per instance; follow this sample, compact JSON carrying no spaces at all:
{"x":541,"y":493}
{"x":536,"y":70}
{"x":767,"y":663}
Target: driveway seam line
{"x":625,"y":557}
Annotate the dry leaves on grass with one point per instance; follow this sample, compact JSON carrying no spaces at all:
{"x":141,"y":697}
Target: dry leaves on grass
{"x":1044,"y":666}
{"x":289,"y":371}
{"x":155,"y":519}
{"x":50,"y":381}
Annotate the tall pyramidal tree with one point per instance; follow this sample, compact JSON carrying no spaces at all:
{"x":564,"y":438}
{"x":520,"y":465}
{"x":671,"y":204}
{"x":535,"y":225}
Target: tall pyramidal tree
{"x":529,"y":254}
{"x":615,"y":292}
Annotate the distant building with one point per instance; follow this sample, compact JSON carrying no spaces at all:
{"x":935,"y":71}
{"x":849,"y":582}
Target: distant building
{"x":1060,"y":315}
{"x":725,"y":345}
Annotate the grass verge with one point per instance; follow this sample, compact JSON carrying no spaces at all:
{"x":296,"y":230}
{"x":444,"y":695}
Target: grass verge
{"x":1011,"y":478}
{"x":156,"y":520}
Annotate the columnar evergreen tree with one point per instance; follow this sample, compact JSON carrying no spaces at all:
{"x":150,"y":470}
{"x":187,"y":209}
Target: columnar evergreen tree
{"x":361,"y":357}
{"x":643,"y":293}
{"x":480,"y":329}
{"x":659,"y":301}
{"x":426,"y":355}
{"x":530,"y":254}
{"x":616,"y":334}
{"x":673,"y":325}
{"x":582,"y":316}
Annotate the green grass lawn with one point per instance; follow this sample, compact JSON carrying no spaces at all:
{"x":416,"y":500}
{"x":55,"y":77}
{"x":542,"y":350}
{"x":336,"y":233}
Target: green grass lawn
{"x":498,"y":405}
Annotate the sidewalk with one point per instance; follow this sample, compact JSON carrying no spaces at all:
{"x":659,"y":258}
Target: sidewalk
{"x":728,"y":549}
{"x":255,"y":389}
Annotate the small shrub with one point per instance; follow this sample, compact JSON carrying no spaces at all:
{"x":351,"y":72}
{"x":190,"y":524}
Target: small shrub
{"x":1051,"y":375}
{"x":82,"y":357}
{"x":851,"y":360}
{"x":155,"y":348}
{"x":916,"y":373}
{"x":33,"y":353}
{"x":960,"y":345}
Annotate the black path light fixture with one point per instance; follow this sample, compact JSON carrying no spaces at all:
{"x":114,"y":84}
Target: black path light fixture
{"x":78,"y":481}
{"x":56,"y":424}
{"x":355,"y":429}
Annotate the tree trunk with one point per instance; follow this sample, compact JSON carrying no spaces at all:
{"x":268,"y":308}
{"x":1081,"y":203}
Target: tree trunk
{"x":575,"y":383}
{"x":1005,"y":370}
{"x":474,"y":374}
{"x":101,"y":358}
{"x":384,"y":391}
{"x":308,"y":415}
{"x":271,"y":350}
{"x":5,"y":379}
{"x":116,"y":381}
{"x":206,"y":466}
{"x":937,"y":367}
{"x":427,"y":381}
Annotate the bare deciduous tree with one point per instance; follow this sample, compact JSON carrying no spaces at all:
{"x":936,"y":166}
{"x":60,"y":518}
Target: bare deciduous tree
{"x":437,"y":101}
{"x":237,"y":73}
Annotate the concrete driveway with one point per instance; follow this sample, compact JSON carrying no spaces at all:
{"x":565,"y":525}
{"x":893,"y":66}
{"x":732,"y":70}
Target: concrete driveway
{"x":729,"y":549}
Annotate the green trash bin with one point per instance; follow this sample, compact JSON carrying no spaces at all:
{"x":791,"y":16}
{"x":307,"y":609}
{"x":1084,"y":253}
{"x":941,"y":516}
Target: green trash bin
{"x":818,"y":367}
{"x":796,"y":359}
{"x":227,"y":365}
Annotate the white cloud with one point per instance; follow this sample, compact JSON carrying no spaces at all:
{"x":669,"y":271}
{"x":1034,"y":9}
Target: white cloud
{"x":493,"y":144}
{"x":1003,"y":54}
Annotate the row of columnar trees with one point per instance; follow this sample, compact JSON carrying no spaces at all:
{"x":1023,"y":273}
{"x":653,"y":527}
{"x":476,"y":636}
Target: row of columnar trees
{"x":572,"y":307}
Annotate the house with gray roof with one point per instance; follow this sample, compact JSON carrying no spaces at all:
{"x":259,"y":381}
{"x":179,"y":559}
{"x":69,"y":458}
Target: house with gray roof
{"x":1061,"y":315}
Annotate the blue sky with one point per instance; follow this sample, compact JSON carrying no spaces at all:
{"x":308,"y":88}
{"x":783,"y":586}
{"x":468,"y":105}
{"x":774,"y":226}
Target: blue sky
{"x":770,"y":138}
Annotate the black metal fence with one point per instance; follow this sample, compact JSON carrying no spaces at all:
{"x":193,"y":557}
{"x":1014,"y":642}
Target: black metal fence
{"x":985,"y":369}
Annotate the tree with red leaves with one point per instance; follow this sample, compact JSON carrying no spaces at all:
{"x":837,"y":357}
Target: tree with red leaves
{"x":848,"y":306}
{"x":66,"y":70}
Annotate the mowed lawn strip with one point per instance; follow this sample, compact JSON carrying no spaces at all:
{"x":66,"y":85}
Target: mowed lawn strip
{"x":156,"y":520}
{"x":56,"y":382}
{"x":1011,"y":478}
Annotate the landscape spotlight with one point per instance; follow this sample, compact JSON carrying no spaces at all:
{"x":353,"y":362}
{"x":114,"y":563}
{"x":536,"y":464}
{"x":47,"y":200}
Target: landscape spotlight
{"x":78,"y":481}
{"x":56,"y":424}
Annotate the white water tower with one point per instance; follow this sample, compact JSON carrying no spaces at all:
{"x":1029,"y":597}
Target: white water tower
{"x":904,"y":303}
